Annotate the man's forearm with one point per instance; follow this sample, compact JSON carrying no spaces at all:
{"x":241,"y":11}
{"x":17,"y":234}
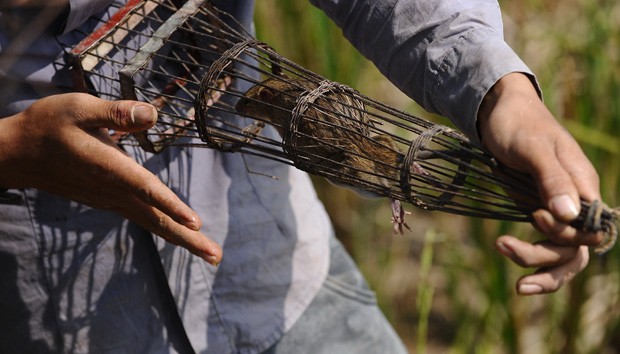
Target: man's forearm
{"x":445,"y":55}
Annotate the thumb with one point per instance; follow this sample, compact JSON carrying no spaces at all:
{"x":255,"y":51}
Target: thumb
{"x":557,"y":188}
{"x":142,"y":116}
{"x":565,"y":175}
{"x":128,"y":116}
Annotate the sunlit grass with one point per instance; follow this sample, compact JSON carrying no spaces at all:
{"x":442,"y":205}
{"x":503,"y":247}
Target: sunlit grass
{"x":574,"y":48}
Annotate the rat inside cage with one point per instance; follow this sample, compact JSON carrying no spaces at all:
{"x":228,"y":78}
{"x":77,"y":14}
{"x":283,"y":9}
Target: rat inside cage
{"x":216,"y":86}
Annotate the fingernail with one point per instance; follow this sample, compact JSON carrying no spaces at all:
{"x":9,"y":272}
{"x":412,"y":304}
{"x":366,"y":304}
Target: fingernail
{"x":564,"y":207}
{"x":504,"y":249}
{"x":190,"y":223}
{"x":212,"y":260}
{"x":529,"y":289}
{"x":143,"y":114}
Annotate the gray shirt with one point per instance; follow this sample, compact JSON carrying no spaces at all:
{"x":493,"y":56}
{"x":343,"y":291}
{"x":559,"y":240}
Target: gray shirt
{"x":72,"y":273}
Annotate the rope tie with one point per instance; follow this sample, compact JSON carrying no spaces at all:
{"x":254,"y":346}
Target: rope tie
{"x":600,"y":217}
{"x":592,"y":222}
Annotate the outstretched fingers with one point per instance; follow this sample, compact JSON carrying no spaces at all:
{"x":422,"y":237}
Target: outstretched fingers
{"x":71,"y":155}
{"x":165,"y":227}
{"x":150,"y":203}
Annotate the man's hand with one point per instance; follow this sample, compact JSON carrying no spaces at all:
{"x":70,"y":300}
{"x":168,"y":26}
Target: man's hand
{"x":517,"y":128}
{"x":61,"y":145}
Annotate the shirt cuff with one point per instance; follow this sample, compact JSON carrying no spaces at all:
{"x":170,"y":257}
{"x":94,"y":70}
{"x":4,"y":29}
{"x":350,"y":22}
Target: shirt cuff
{"x":457,"y":84}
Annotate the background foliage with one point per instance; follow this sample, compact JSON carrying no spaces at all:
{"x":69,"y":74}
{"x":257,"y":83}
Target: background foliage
{"x":443,"y":286}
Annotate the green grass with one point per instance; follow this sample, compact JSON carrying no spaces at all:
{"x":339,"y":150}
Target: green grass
{"x":443,"y":287}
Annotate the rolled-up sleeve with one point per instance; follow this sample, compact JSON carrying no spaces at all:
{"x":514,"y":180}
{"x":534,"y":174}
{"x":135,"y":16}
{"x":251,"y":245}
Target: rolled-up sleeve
{"x":444,"y":54}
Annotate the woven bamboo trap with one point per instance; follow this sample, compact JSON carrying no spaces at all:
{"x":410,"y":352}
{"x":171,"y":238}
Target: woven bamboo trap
{"x":216,"y":86}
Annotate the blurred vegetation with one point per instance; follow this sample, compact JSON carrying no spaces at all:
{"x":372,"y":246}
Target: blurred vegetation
{"x":443,"y":286}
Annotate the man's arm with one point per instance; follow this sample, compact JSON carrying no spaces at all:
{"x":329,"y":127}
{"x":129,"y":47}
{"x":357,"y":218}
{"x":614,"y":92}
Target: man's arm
{"x":445,"y":55}
{"x":450,"y":56}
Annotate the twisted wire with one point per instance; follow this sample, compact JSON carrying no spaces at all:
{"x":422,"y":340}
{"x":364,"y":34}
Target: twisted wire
{"x":304,"y":101}
{"x":413,"y":154}
{"x":215,"y":70}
